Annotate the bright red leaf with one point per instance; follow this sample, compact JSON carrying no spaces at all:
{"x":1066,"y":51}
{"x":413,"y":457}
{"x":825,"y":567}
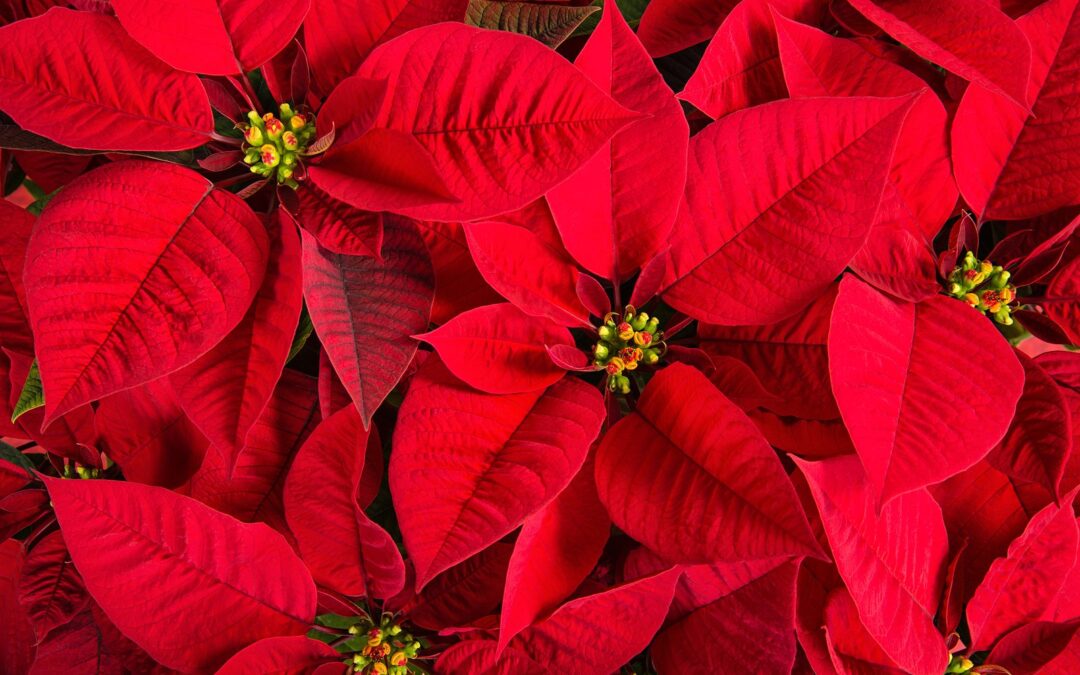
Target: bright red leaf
{"x":965,"y":37}
{"x":918,"y":408}
{"x":186,"y":560}
{"x":344,"y":549}
{"x":712,"y":460}
{"x":892,"y":562}
{"x":615,"y":212}
{"x":77,"y":78}
{"x":229,"y":36}
{"x":1010,"y":164}
{"x":554,"y":552}
{"x":225,"y":390}
{"x":120,"y":268}
{"x":1021,"y":586}
{"x":771,"y":197}
{"x":526,"y":120}
{"x":458,"y":486}
{"x":499,"y":349}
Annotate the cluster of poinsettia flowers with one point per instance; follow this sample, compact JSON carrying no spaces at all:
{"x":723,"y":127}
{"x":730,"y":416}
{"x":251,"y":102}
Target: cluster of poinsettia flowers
{"x":485,"y":336}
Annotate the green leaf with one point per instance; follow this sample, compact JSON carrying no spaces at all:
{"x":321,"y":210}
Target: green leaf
{"x":32,"y":396}
{"x":548,"y":23}
{"x":631,"y":11}
{"x":303,"y":332}
{"x":336,"y":621}
{"x":13,"y":455}
{"x":41,"y":200}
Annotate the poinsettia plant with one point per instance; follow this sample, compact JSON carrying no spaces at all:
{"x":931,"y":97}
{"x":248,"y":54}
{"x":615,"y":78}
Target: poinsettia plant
{"x":500,"y":336}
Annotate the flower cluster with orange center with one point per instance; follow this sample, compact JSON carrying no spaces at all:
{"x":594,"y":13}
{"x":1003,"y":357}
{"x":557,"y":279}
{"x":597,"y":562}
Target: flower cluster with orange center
{"x":627,"y":341}
{"x":983,"y":286}
{"x":273,"y":146}
{"x":384,"y":649}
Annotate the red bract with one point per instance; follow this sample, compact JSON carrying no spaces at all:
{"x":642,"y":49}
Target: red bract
{"x":492,"y":336}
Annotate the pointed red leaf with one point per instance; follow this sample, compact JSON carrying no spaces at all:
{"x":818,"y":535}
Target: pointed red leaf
{"x":1021,"y":586}
{"x":499,"y":349}
{"x":16,"y":224}
{"x":133,"y":271}
{"x":1010,"y":164}
{"x":251,"y":490}
{"x":918,"y":408}
{"x":146,"y":433}
{"x":344,"y":549}
{"x":459,"y":286}
{"x":529,"y":272}
{"x":78,"y":79}
{"x":338,"y":227}
{"x":772,"y":197}
{"x":598,"y":633}
{"x":242,"y":581}
{"x":893,"y":563}
{"x":16,"y":632}
{"x":50,"y":589}
{"x":712,"y":459}
{"x":966,"y":37}
{"x":365,"y":310}
{"x":1040,"y":439}
{"x":1064,"y":290}
{"x":983,"y":514}
{"x":557,"y":548}
{"x":225,"y":390}
{"x":789,"y":358}
{"x":592,"y":295}
{"x":467,"y":468}
{"x":852,"y":648}
{"x":381,"y":170}
{"x":615,"y":212}
{"x":741,"y":66}
{"x":740,"y":617}
{"x":668,"y":26}
{"x":1039,"y":648}
{"x":526,"y":120}
{"x":296,"y":654}
{"x":341,"y":33}
{"x":78,"y":648}
{"x":920,"y":192}
{"x":464,"y":593}
{"x":482,"y":657}
{"x":215,"y":37}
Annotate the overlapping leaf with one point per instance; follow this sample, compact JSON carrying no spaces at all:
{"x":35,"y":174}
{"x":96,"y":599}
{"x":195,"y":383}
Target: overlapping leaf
{"x":78,"y":79}
{"x":133,"y":271}
{"x":365,"y":310}
{"x":1010,"y":164}
{"x":215,"y":37}
{"x":344,"y":549}
{"x":1022,"y":586}
{"x":225,"y":390}
{"x":892,"y":562}
{"x":615,"y":212}
{"x":714,"y":461}
{"x":186,"y":560}
{"x":468,"y":468}
{"x":965,"y":37}
{"x":769,"y":197}
{"x":526,"y":120}
{"x":918,"y":408}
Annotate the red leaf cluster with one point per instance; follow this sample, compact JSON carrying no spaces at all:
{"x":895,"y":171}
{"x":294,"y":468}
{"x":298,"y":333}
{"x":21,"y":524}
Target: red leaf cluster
{"x":535,"y":336}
